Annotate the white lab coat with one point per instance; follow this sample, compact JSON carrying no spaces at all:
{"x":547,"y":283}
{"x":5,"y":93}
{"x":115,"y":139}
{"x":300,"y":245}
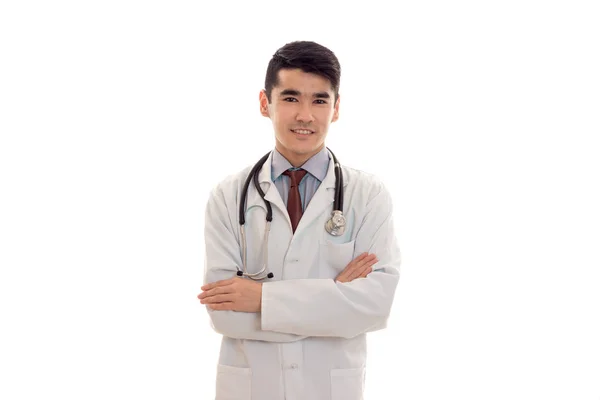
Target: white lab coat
{"x":309,"y":340}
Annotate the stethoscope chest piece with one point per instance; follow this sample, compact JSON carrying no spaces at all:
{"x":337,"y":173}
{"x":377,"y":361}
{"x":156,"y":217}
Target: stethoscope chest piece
{"x":336,"y":226}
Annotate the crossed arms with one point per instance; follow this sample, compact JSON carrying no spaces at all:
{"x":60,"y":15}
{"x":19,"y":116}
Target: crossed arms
{"x":357,"y":301}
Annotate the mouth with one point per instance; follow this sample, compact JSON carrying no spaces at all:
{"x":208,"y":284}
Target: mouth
{"x":304,"y":132}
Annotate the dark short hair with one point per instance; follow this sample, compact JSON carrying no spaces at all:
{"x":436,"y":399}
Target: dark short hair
{"x":309,"y":57}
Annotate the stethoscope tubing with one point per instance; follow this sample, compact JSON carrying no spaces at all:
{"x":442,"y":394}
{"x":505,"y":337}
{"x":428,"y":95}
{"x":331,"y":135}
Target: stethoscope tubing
{"x":253,"y":177}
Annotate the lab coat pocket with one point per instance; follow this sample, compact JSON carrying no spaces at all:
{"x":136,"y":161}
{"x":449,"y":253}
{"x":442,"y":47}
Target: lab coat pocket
{"x":233,"y":383}
{"x":334,"y":258}
{"x":347,"y":384}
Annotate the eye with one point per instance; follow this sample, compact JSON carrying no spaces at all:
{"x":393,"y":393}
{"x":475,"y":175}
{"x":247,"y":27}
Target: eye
{"x":289,"y":99}
{"x":320,"y":101}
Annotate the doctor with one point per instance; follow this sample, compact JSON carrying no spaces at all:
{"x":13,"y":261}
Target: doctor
{"x":300,"y":333}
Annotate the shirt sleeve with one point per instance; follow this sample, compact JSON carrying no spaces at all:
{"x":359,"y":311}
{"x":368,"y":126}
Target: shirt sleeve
{"x":222,"y":257}
{"x":324,"y":307}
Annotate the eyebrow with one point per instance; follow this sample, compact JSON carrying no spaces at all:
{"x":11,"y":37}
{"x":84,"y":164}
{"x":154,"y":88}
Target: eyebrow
{"x":293,"y":92}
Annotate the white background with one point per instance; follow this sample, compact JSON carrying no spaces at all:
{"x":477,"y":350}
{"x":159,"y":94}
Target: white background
{"x":482,"y":118}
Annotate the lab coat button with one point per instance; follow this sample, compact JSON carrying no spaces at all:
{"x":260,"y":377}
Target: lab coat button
{"x":294,"y":366}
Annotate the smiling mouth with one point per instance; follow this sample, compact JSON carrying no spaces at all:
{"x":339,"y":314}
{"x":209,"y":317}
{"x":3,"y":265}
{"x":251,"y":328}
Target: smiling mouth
{"x":302,"y":131}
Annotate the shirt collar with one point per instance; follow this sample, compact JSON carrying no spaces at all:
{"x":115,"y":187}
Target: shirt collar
{"x":317,"y":165}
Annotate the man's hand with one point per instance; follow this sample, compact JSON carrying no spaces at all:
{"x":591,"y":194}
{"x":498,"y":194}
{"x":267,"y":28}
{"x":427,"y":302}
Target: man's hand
{"x":235,"y":294}
{"x":360,"y":267}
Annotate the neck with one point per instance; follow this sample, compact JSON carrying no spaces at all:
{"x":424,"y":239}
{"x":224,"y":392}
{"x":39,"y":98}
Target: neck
{"x":297,"y":159}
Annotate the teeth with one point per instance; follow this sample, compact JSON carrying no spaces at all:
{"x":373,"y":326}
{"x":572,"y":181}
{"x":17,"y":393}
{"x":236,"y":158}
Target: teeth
{"x":302,"y":131}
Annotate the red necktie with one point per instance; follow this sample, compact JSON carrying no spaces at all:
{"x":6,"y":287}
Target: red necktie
{"x":294,"y":203}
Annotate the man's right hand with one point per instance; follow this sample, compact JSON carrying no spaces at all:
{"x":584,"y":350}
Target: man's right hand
{"x":360,"y":267}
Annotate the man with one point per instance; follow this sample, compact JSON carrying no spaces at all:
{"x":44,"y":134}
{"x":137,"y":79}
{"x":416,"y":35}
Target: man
{"x":301,"y":332}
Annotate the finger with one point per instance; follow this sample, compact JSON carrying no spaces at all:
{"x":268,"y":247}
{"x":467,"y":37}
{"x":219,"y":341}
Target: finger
{"x":353,"y":264}
{"x":218,"y":298}
{"x":358,"y":259}
{"x":221,"y":306}
{"x":370,"y":257}
{"x":350,"y":272}
{"x":371,"y":263}
{"x":341,"y":276}
{"x":365,"y":261}
{"x":354,"y":272}
{"x":217,"y":284}
{"x":209,"y":286}
{"x":365,"y":270}
{"x":358,"y":271}
{"x":217,"y":290}
{"x":364,"y":274}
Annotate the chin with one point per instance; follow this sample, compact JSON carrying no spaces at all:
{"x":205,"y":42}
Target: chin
{"x":300,"y":147}
{"x":303,"y":149}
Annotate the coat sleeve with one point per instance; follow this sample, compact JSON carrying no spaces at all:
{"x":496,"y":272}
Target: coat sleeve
{"x":222,"y":256}
{"x":323,"y":307}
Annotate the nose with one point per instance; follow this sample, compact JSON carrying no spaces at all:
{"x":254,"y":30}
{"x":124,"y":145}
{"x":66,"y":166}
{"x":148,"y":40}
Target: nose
{"x":305,"y":113}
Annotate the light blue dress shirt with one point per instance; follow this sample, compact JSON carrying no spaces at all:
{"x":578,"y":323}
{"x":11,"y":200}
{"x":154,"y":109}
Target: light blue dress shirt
{"x":316,"y":166}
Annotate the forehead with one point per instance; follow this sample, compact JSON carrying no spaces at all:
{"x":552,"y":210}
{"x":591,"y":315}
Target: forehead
{"x":304,"y":82}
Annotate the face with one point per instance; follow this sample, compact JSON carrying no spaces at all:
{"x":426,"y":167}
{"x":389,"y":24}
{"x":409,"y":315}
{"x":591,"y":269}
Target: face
{"x":301,"y":109}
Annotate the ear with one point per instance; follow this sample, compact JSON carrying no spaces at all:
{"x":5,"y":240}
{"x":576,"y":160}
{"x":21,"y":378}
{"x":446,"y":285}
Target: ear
{"x":336,"y":110}
{"x":264,"y":104}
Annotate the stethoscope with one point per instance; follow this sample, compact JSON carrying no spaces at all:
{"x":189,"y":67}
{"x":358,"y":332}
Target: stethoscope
{"x":335,"y":226}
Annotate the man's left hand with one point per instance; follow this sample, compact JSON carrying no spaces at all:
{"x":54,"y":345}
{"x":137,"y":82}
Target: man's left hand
{"x":235,"y":294}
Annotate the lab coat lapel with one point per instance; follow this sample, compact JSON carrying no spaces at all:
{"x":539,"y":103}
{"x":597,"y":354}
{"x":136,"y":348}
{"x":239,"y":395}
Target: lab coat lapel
{"x":271,"y":193}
